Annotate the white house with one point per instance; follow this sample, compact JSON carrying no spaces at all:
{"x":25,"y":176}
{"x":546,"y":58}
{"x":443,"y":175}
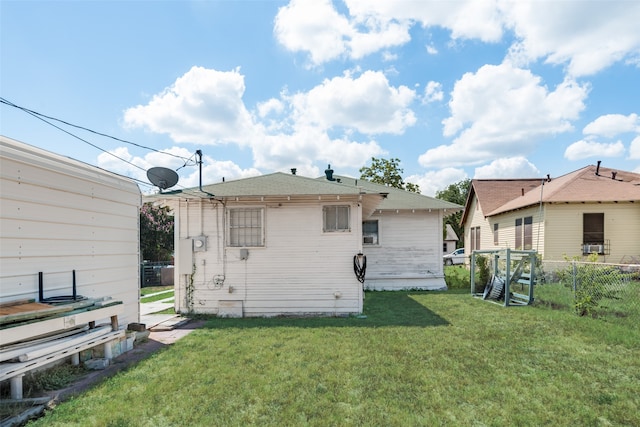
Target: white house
{"x":57,"y":216}
{"x":283,"y":244}
{"x":403,"y":238}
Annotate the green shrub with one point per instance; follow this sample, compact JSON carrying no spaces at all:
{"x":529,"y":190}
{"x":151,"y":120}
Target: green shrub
{"x":457,"y":277}
{"x":483,"y":272}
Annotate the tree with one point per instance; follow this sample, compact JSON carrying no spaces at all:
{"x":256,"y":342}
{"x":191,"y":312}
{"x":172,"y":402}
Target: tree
{"x":456,"y":193}
{"x":387,"y":172}
{"x":156,"y":233}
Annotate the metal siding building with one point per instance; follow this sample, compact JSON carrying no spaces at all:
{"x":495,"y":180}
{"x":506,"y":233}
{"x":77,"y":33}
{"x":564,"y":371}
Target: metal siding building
{"x":58,"y":215}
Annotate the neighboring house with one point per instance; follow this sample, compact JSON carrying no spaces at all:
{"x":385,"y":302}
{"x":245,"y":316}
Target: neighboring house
{"x":59,"y":215}
{"x":450,"y":240}
{"x":403,"y":239}
{"x":593,"y":209}
{"x":282,"y":244}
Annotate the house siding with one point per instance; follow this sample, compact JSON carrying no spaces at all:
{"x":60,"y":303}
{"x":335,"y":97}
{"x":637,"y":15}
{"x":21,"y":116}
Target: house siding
{"x":564,"y":229}
{"x":507,"y":227}
{"x":476,"y":219}
{"x":401,"y":261}
{"x":58,"y":215}
{"x":300,"y":269}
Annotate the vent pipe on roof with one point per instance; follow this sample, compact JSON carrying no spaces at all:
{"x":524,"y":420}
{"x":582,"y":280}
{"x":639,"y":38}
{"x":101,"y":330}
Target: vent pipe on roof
{"x":598,"y":168}
{"x":613,"y":174}
{"x":293,"y":171}
{"x":522,"y":189}
{"x":329,"y":173}
{"x":548,"y":177}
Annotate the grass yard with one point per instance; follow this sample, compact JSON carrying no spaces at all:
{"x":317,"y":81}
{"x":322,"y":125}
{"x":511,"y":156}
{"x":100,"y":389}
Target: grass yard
{"x":417,"y":359}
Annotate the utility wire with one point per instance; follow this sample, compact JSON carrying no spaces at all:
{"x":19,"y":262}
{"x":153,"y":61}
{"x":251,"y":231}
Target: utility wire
{"x":41,"y":116}
{"x":44,"y":118}
{"x":38,"y":116}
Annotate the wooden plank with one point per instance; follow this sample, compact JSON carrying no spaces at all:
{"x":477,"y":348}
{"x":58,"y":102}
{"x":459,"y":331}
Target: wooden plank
{"x":9,"y":370}
{"x":34,"y":310}
{"x":16,"y":302}
{"x":69,"y":320}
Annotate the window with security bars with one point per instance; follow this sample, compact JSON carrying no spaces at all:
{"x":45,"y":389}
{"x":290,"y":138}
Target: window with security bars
{"x":336,"y":218}
{"x":245,"y":227}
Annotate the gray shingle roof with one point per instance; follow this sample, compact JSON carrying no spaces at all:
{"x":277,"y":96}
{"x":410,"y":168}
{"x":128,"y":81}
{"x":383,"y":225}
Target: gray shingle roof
{"x":397,"y":198}
{"x":274,"y":184}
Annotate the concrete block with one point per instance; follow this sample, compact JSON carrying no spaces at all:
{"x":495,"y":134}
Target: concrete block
{"x":96,"y":364}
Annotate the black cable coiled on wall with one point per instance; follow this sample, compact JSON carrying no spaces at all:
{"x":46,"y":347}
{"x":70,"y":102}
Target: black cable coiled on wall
{"x":358,"y":268}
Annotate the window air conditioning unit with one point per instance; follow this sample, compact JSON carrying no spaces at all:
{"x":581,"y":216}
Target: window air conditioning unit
{"x":589,"y":249}
{"x":368,"y":239}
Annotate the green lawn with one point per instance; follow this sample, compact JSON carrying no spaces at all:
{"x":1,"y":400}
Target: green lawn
{"x":417,"y":359}
{"x":153,"y":289}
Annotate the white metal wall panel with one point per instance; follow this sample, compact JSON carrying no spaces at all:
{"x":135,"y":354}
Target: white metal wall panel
{"x":59,"y":215}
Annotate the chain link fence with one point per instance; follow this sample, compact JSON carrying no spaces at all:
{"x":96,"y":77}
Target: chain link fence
{"x":590,"y":289}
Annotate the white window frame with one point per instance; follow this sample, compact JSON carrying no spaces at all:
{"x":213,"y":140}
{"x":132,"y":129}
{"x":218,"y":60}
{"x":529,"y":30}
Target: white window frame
{"x":329,"y":215}
{"x":245,"y":238}
{"x":377,"y":233}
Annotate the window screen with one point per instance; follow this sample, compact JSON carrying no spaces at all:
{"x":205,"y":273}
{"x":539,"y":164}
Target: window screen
{"x":336,"y":218}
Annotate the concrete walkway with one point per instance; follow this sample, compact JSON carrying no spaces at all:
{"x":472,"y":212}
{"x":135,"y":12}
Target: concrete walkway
{"x":160,"y":322}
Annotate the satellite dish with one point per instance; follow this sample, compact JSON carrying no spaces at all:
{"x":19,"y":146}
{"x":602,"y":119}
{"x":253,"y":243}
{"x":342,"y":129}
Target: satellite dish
{"x":162,"y":178}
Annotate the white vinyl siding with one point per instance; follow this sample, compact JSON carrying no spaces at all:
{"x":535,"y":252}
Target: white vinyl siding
{"x":409,"y":254}
{"x":299,"y":270}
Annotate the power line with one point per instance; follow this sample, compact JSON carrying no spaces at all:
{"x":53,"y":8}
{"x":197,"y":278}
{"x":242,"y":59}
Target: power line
{"x":41,"y":116}
{"x":46,"y":119}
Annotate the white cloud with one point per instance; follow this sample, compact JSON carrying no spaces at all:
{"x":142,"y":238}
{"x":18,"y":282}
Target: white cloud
{"x":433,"y":92}
{"x":431,"y":50}
{"x":587,"y":36}
{"x":500,"y":111}
{"x":312,"y":26}
{"x":585,"y":148}
{"x":203,"y":106}
{"x":611,"y":125}
{"x":512,"y":167}
{"x":206,"y":107}
{"x":634,"y":149}
{"x":317,"y":28}
{"x":433,"y":181}
{"x":270,"y":106}
{"x":465,"y":19}
{"x":388,"y":56}
{"x":367,"y":104}
{"x":309,"y":145}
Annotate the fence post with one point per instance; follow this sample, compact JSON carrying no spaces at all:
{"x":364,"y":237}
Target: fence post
{"x":472,"y":277}
{"x":573,"y":277}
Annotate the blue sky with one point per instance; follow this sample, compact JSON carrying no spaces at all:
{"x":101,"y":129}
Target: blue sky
{"x":455,"y":90}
